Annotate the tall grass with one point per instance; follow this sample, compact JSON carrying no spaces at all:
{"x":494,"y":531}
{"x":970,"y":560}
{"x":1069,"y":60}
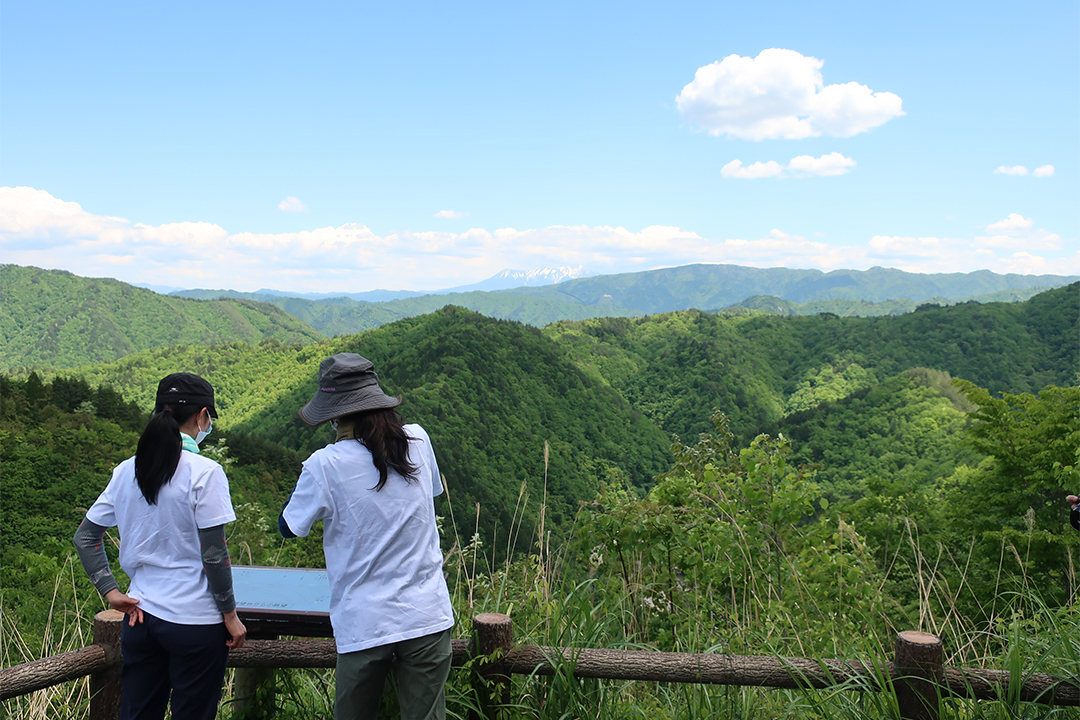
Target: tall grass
{"x":67,"y":626}
{"x":565,"y":597}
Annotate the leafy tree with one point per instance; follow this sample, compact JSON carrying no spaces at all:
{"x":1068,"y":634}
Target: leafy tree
{"x":729,"y":538}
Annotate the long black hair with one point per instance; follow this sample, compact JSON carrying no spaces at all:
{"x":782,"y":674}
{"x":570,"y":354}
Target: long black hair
{"x":158,"y":452}
{"x":383,"y":433}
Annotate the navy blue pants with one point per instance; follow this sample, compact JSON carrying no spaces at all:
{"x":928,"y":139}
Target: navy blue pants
{"x":160,"y":658}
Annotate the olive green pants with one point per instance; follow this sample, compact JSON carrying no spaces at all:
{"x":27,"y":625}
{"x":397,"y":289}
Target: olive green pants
{"x":423,"y":664}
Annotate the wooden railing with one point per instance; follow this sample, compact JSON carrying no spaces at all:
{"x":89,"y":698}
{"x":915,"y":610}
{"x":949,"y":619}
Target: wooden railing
{"x":916,"y":674}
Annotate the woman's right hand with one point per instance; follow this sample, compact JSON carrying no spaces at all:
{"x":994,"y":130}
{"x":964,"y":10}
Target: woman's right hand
{"x":236,"y":630}
{"x":125,"y":604}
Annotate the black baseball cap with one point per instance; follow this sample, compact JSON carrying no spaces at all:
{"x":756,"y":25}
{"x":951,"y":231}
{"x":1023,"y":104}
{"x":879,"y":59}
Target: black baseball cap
{"x":186,"y":389}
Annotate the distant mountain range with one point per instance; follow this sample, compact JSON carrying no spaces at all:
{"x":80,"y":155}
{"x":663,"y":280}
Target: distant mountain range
{"x":51,"y":318}
{"x":878,"y":291}
{"x":509,"y":279}
{"x":712,"y":287}
{"x":504,"y":280}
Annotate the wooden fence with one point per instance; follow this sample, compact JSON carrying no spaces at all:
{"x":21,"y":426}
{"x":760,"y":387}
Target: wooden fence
{"x":916,"y":674}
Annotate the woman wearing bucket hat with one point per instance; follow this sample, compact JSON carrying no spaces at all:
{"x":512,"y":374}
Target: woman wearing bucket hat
{"x":373,"y":488}
{"x":170,"y":505}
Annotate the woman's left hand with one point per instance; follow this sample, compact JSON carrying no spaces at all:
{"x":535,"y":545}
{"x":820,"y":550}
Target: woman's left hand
{"x":125,"y":604}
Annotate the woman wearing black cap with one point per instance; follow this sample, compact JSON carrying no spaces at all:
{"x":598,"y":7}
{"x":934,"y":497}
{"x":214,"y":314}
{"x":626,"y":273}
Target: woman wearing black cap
{"x":170,"y":505}
{"x":373,"y":489}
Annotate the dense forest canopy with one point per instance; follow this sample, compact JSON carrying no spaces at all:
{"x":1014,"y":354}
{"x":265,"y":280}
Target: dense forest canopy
{"x":833,"y":479}
{"x":606,"y":395}
{"x":759,"y":368}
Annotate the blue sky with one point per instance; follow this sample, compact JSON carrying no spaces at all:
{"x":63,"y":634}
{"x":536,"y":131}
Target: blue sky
{"x":351,"y":146}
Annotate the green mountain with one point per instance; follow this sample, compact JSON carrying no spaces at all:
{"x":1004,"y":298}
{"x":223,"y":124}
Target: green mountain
{"x":342,"y":316}
{"x":606,"y":393}
{"x":707,"y":287}
{"x":758,"y":368}
{"x":909,"y":428}
{"x":491,"y":393}
{"x":51,"y":318}
{"x":877,"y":291}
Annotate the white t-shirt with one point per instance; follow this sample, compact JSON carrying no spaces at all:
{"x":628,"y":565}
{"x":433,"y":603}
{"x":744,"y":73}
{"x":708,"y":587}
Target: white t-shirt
{"x":382,"y":547}
{"x":159,"y":544}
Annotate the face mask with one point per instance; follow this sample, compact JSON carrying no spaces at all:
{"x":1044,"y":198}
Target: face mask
{"x":201,"y":435}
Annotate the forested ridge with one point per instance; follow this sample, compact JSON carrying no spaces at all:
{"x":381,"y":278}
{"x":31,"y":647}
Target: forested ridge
{"x":759,"y":368}
{"x":53,"y":319}
{"x":846,"y":307}
{"x":851,"y":466}
{"x":340,"y":316}
{"x":711,"y":287}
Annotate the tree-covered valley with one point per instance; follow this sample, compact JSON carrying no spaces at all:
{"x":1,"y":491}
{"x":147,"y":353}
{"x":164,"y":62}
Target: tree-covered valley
{"x":747,"y":483}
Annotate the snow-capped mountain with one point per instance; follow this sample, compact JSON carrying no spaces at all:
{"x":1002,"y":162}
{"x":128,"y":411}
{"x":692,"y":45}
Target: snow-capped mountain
{"x":520,"y":278}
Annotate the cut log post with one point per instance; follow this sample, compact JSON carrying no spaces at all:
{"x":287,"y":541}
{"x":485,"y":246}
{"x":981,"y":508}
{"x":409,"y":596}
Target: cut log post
{"x":920,"y":677}
{"x":494,"y":639}
{"x":105,"y":690}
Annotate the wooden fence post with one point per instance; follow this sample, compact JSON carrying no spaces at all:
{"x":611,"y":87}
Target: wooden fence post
{"x":920,"y":675}
{"x":494,"y":636}
{"x":255,"y":689}
{"x":105,"y":685}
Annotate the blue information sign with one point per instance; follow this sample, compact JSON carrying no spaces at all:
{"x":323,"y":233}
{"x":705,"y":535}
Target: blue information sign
{"x":283,"y":601}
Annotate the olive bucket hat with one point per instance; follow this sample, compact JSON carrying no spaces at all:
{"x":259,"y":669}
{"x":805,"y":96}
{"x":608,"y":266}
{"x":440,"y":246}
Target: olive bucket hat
{"x":347,"y":384}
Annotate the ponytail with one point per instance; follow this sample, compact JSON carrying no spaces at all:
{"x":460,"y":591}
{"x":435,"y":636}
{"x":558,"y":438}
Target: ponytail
{"x":383,"y":434}
{"x":158,"y":452}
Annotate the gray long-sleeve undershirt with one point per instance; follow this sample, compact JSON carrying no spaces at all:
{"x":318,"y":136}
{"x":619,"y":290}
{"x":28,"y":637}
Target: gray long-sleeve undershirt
{"x":215,"y":560}
{"x":91,"y":550}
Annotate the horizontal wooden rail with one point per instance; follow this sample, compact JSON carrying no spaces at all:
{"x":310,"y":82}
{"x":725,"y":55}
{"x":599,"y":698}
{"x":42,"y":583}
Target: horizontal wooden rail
{"x":774,"y":672}
{"x":982,"y":684}
{"x":631,"y":665}
{"x":306,"y":654}
{"x":48,"y":671}
{"x":651,"y":666}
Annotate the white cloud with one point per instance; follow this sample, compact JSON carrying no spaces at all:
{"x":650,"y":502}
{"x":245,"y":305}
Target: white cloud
{"x":735,"y":169}
{"x":1012,"y":223}
{"x":1011,"y":170}
{"x":39,"y":229}
{"x":801,"y":166}
{"x":292,"y":205}
{"x":451,"y":214}
{"x":1015,"y":233}
{"x":1044,"y":171}
{"x":827,"y":165}
{"x":780,"y":94}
